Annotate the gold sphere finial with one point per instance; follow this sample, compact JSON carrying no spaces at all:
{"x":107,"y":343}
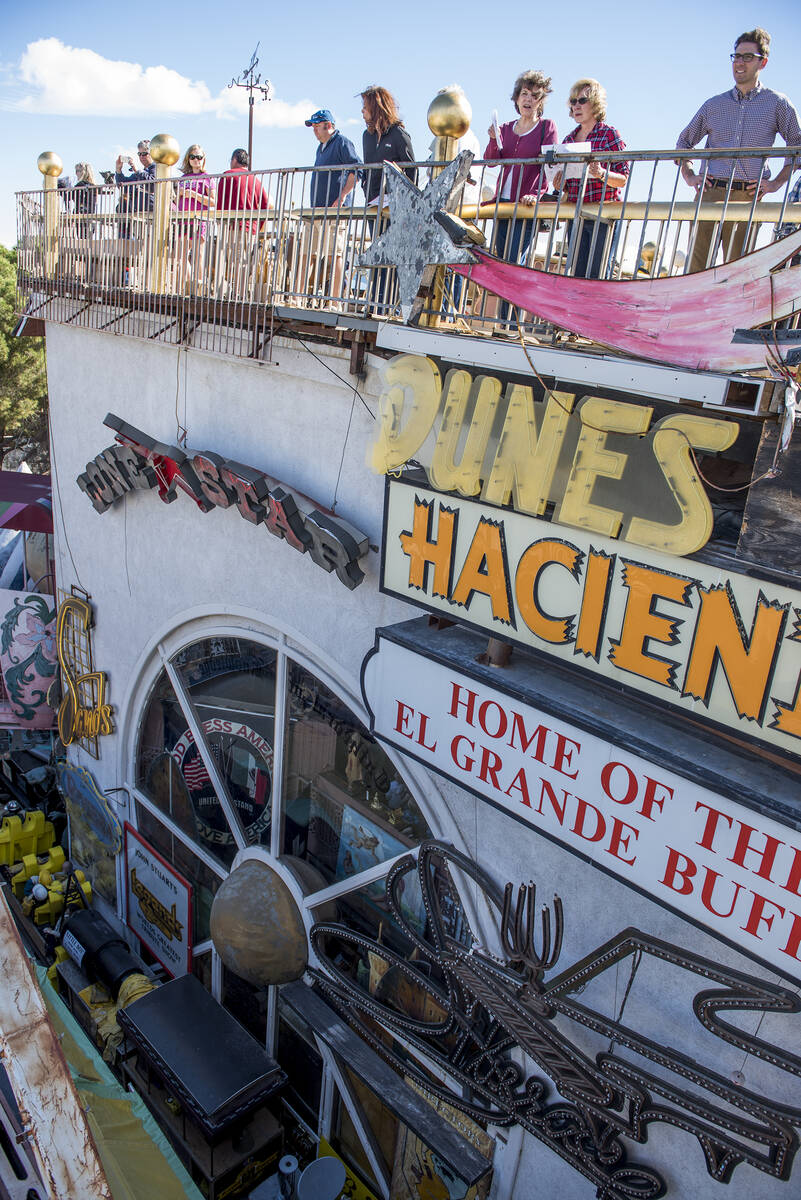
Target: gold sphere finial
{"x":49,"y":163}
{"x":164,"y":149}
{"x":449,"y":113}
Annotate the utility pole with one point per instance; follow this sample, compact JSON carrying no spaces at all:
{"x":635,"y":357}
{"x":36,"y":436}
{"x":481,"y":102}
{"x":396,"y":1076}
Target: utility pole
{"x":252,"y":83}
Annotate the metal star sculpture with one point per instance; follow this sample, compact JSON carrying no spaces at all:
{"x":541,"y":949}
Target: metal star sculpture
{"x":414,"y":240}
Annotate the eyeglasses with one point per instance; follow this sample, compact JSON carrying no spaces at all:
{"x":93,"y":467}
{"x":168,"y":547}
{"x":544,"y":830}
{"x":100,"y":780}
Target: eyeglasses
{"x":196,"y":157}
{"x":579,"y":100}
{"x":745,"y":58}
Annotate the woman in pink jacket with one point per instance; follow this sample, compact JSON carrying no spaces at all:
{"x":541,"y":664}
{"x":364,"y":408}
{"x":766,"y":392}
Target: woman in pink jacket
{"x":521,"y":184}
{"x":195,"y":196}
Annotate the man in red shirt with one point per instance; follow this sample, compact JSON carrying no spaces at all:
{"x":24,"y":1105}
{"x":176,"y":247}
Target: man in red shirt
{"x":241,"y":190}
{"x":244,"y":269}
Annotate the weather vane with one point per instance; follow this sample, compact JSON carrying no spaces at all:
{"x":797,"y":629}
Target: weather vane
{"x":252,"y":83}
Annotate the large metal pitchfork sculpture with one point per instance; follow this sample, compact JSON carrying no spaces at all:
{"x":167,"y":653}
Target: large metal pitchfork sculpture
{"x":472,"y":1013}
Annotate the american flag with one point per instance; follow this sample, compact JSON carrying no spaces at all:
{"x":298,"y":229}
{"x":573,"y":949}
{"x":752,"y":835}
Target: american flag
{"x":195,"y":774}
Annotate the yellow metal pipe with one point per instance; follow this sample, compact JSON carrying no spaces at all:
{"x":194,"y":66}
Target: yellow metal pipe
{"x":634,"y":210}
{"x":160,"y":246}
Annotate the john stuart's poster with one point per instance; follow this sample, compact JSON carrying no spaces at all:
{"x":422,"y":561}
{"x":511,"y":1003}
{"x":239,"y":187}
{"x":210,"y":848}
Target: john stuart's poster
{"x":159,"y":904}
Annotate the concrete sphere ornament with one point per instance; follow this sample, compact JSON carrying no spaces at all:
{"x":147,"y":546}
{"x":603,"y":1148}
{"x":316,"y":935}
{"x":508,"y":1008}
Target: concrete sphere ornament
{"x":256,"y":926}
{"x":164,"y":149}
{"x":49,"y":163}
{"x":449,"y":113}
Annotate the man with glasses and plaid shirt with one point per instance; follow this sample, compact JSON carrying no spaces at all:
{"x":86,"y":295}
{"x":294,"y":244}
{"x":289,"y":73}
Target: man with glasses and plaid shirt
{"x":747,"y":115}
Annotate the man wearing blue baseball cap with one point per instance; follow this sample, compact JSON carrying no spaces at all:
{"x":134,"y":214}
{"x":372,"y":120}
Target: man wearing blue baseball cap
{"x":329,"y":188}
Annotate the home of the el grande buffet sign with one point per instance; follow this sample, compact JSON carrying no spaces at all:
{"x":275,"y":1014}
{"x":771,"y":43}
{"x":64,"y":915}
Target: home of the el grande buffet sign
{"x":138,"y":462}
{"x":730,"y":869}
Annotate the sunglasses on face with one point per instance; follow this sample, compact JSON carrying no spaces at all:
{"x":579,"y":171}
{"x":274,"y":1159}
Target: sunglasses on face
{"x":196,"y":158}
{"x":744,"y":58}
{"x":579,"y":100}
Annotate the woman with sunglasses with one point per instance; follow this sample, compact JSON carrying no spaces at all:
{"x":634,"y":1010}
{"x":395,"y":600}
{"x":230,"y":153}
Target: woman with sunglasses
{"x":521,"y":184}
{"x":384,"y":140}
{"x":195,"y":195}
{"x":603,"y":180}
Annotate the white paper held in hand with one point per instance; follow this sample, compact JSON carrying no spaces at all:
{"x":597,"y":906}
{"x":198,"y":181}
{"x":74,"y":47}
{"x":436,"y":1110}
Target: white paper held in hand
{"x":571,"y":170}
{"x":496,"y":129}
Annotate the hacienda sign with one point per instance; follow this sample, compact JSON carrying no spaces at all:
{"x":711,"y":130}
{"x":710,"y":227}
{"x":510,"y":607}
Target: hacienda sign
{"x":720,"y":646}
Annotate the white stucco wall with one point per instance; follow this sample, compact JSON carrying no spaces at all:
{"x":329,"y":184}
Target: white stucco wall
{"x":151,"y":567}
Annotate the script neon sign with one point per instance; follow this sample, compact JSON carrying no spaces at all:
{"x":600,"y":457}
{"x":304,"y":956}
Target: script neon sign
{"x":141,"y":463}
{"x":76,"y":719}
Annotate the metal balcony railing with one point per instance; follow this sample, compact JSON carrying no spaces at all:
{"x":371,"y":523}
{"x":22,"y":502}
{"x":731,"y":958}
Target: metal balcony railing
{"x":148,"y":258}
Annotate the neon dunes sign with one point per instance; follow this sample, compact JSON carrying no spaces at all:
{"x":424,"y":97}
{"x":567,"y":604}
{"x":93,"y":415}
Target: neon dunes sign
{"x":604,"y":464}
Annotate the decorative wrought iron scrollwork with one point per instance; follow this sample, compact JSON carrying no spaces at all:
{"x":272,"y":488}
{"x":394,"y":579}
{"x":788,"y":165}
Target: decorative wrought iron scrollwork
{"x":480,"y":1010}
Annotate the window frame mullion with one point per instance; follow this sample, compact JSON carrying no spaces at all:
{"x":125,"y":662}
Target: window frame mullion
{"x":209,"y":761}
{"x":280,"y":731}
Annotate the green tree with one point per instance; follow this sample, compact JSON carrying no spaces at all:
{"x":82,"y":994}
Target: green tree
{"x":23,"y":380}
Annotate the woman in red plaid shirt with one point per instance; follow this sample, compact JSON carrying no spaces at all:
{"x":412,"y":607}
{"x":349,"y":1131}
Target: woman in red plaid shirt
{"x":603,"y":181}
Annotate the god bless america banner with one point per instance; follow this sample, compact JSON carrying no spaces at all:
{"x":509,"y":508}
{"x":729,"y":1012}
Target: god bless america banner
{"x":721,"y":646}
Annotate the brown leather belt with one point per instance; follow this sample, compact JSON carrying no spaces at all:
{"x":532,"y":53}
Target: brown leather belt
{"x":735,"y":187}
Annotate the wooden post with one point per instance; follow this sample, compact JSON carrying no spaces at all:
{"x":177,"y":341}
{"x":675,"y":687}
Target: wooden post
{"x":160,"y":245}
{"x":50,"y":225}
{"x":50,"y":166}
{"x":444,"y":151}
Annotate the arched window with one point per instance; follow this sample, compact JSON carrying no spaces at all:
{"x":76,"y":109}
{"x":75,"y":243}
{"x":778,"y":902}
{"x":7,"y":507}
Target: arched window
{"x":242,"y":745}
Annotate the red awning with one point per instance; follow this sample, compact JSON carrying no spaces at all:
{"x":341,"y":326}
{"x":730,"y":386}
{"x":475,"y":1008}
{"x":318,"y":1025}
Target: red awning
{"x":25,"y":502}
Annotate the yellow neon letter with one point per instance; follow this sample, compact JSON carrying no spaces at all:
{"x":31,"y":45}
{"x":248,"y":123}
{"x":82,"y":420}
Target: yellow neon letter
{"x":414,"y":383}
{"x":526,"y":458}
{"x":599,"y":417}
{"x":672,"y":440}
{"x":459,"y":388}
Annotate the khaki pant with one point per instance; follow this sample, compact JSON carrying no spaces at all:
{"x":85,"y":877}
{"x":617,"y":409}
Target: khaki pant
{"x":732,"y":236}
{"x":323,"y":248}
{"x":241,"y":263}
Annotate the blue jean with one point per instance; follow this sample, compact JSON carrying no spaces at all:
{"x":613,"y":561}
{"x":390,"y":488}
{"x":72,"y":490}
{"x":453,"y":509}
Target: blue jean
{"x":582,"y":267}
{"x":380,"y":278}
{"x":512,"y":240}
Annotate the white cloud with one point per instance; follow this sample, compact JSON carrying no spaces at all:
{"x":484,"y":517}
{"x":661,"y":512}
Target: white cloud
{"x":73,"y":81}
{"x":233,"y":102}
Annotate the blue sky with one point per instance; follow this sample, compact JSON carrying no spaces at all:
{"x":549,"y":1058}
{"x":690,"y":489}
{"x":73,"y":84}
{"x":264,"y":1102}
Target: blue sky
{"x":89,"y":79}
